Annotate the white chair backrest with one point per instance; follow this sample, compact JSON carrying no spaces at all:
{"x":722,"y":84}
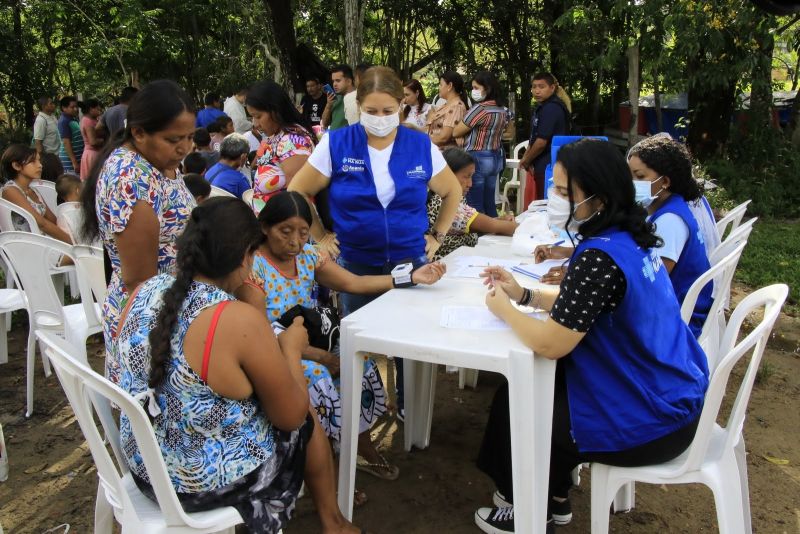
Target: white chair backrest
{"x":519,"y":150}
{"x":30,"y":257}
{"x":7,"y":225}
{"x":721,"y":273}
{"x":732,"y":219}
{"x":91,"y":268}
{"x":247,"y":196}
{"x":90,"y":393}
{"x":71,"y":215}
{"x":771,"y":299}
{"x":47,"y":190}
{"x":219,"y":192}
{"x":740,"y":235}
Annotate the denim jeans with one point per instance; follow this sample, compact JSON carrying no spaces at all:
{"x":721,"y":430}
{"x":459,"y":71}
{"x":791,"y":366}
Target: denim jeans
{"x":348,"y":303}
{"x":488,"y":165}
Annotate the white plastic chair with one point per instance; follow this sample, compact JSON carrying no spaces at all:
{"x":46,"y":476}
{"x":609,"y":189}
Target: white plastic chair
{"x":732,"y":219}
{"x":91,"y":268}
{"x":28,"y":255}
{"x":11,"y":300}
{"x":47,"y":190}
{"x":117,"y":494}
{"x":716,"y":456}
{"x":219,"y":192}
{"x":514,"y":182}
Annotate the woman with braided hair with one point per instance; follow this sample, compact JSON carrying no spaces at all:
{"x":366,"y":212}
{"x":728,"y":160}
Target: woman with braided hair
{"x":227,"y":398}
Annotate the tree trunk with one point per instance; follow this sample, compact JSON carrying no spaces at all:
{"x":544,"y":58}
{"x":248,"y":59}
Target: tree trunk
{"x":633,"y":90}
{"x":354,"y":30}
{"x":710,"y":111}
{"x":21,"y":62}
{"x":280,"y":13}
{"x":761,"y":91}
{"x":657,"y":100}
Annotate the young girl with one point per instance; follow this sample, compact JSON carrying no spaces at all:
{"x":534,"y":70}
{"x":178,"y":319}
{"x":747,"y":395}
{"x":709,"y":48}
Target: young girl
{"x":21,"y":166}
{"x":285,"y":270}
{"x":228,"y":399}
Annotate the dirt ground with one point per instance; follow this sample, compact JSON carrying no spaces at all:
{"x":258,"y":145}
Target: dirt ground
{"x":53,"y":480}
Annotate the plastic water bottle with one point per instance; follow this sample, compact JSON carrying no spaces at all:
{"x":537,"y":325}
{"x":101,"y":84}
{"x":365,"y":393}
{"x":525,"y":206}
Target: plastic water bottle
{"x":3,"y":459}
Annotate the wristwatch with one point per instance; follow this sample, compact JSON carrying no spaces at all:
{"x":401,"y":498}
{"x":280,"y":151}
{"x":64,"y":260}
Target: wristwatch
{"x":438,"y":236}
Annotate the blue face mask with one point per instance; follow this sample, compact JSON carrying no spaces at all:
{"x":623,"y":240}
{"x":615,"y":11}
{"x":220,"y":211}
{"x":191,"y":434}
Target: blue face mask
{"x":643,"y":189}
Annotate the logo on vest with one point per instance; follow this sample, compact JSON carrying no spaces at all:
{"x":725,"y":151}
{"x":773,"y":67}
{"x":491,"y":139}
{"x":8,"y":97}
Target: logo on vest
{"x":651,"y":266}
{"x":352,"y":165}
{"x":417,"y":173}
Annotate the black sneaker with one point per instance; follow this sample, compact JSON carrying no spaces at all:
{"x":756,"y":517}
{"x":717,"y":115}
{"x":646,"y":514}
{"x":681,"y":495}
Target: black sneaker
{"x":495,"y":520}
{"x":561,"y":511}
{"x":501,"y":500}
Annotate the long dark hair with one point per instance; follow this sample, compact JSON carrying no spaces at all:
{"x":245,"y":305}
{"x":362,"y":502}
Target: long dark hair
{"x":283,"y":206}
{"x":455,"y":78}
{"x":220,"y":233}
{"x":152,"y":109}
{"x":488,"y":81}
{"x":415,"y":87}
{"x":598,"y":168}
{"x":270,"y":97}
{"x":457,"y":158}
{"x":669,"y":158}
{"x":16,"y":153}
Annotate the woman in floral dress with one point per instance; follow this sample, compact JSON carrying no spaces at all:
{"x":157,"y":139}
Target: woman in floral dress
{"x":135,"y":203}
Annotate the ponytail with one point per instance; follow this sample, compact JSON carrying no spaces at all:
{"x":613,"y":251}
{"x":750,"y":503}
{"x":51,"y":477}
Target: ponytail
{"x":562,"y":94}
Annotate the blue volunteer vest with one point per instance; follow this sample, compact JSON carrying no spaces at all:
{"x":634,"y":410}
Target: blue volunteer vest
{"x":368,"y":233}
{"x":638,"y":374}
{"x":692,"y":263}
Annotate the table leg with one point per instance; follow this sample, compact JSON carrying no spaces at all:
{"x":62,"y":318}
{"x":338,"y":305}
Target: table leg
{"x":411,"y":402}
{"x":530,"y":387}
{"x":426,"y":392}
{"x":351,"y":371}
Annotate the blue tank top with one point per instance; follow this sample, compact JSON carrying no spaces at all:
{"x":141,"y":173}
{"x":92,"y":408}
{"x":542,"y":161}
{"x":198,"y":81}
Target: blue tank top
{"x":691,"y":264}
{"x":208,"y":441}
{"x":368,"y":233}
{"x":639,"y":373}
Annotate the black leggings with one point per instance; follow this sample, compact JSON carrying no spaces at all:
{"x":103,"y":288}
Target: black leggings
{"x":494,"y":458}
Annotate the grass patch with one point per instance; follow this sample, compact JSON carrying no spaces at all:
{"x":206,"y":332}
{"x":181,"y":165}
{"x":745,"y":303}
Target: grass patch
{"x":772,"y":255}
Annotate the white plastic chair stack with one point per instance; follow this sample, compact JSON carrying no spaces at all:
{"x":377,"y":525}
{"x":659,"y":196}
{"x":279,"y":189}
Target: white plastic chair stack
{"x":28,"y":255}
{"x":219,"y":192}
{"x":47,"y":190}
{"x":117,"y":494}
{"x":732,"y":219}
{"x":11,"y":300}
{"x":514,"y":182}
{"x":716,"y":456}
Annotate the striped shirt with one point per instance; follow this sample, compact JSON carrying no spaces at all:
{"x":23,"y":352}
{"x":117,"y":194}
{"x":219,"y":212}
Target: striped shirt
{"x":488,"y":122}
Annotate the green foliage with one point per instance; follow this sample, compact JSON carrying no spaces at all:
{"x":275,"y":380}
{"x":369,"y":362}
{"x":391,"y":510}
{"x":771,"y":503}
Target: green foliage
{"x":763,"y":166}
{"x":772,"y":256}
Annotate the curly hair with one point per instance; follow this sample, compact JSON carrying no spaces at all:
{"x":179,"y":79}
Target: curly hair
{"x":672,"y":159}
{"x":220,"y":232}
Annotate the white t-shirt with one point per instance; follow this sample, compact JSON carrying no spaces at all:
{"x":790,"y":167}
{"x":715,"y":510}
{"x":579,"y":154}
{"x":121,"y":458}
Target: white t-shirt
{"x":320,"y":159}
{"x":674,"y":232}
{"x":235,"y":110}
{"x":351,"y":110}
{"x":419,"y":119}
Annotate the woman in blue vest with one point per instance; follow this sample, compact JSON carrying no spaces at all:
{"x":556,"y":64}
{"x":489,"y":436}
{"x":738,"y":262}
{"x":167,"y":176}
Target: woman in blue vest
{"x":662,"y":177}
{"x":630,"y":378}
{"x":379,"y":174}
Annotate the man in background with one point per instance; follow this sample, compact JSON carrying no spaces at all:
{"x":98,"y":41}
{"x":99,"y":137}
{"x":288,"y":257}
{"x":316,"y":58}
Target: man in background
{"x":45,"y":128}
{"x":114,"y":118}
{"x":333,"y":117}
{"x":210,"y":112}
{"x":314,"y":102}
{"x":70,"y":132}
{"x":234,"y":108}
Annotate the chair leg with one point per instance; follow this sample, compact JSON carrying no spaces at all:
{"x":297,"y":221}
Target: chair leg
{"x":741,"y":462}
{"x":103,"y":513}
{"x":625,"y":499}
{"x":725,"y":483}
{"x":4,"y":337}
{"x":30,"y":370}
{"x":602,"y":495}
{"x":45,"y":360}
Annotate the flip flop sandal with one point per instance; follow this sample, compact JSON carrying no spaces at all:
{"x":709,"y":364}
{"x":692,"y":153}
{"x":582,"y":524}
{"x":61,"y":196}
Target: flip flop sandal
{"x":383,"y":470}
{"x":359,"y":498}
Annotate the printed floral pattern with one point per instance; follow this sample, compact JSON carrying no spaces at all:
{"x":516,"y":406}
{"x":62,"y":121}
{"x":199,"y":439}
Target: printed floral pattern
{"x":274,"y":150}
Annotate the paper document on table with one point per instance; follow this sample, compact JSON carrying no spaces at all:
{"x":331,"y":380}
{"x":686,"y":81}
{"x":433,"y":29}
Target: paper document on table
{"x":475,"y":318}
{"x":473,"y":266}
{"x":537,"y":270}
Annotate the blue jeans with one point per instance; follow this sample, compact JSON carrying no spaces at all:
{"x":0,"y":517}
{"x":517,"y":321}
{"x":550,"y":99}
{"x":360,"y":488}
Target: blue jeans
{"x":348,"y":303}
{"x":488,"y":165}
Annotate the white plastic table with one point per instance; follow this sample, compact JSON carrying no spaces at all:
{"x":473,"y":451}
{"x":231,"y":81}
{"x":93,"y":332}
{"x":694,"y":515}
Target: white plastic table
{"x":405,"y":322}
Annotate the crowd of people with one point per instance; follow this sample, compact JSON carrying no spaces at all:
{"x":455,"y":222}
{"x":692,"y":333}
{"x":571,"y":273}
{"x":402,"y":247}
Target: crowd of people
{"x":361,"y":188}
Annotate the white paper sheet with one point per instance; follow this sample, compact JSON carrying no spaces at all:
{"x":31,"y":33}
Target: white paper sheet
{"x":475,"y":318}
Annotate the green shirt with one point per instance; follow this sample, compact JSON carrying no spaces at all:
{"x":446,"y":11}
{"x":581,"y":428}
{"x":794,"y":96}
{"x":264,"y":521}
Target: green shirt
{"x":338,"y":119}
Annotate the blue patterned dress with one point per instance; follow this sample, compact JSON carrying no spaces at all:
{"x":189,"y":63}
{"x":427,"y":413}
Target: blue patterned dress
{"x":216,"y":449}
{"x":283,"y":292}
{"x":125,"y":179}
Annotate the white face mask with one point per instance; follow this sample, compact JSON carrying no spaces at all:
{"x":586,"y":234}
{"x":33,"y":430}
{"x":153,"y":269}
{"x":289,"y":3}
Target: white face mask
{"x":643,"y":188}
{"x":558,"y":212}
{"x":477,"y":95}
{"x":379,"y":125}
